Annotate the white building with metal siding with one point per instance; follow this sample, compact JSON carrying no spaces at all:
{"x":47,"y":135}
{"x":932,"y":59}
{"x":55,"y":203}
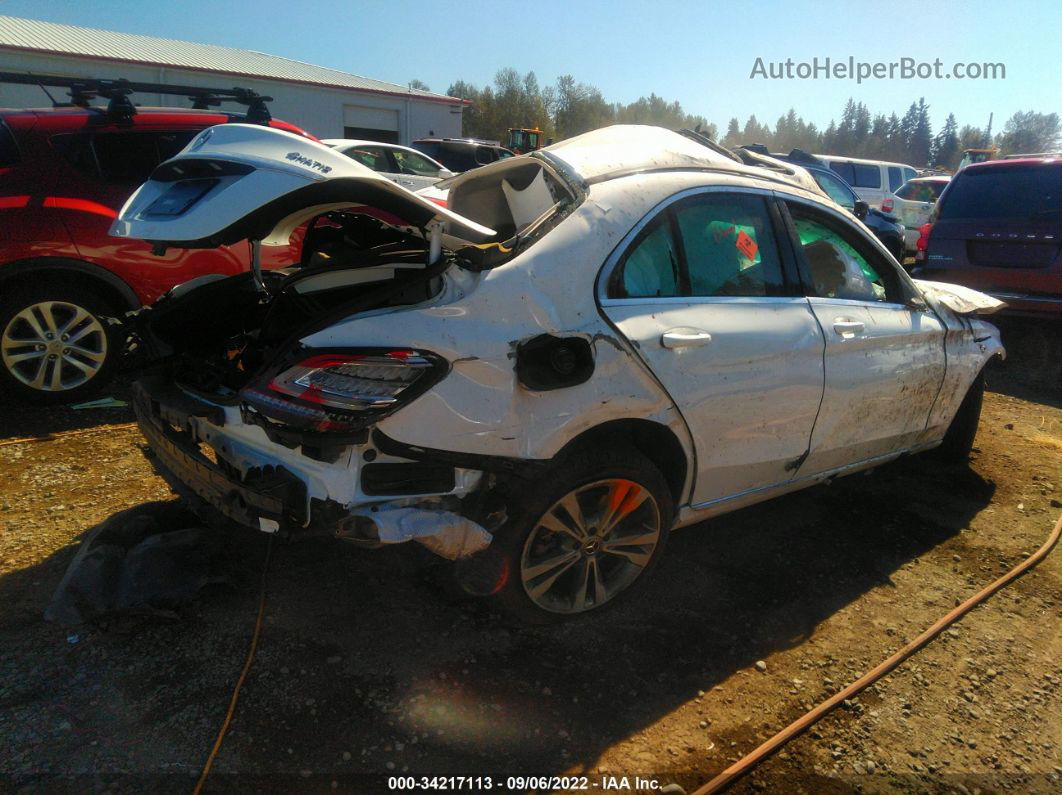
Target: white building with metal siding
{"x":325,"y":102}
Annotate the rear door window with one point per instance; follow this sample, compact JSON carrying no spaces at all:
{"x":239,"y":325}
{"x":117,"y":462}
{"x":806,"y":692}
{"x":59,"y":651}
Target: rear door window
{"x":374,"y":157}
{"x":895,"y":178}
{"x":9,"y":154}
{"x":866,"y":176}
{"x":412,"y":163}
{"x":707,"y":245}
{"x":121,"y":158}
{"x":728,"y":245}
{"x":1028,"y":192}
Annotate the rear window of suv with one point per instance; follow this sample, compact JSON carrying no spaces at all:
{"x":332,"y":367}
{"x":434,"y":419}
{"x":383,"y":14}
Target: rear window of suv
{"x":1027,"y":191}
{"x":121,"y":158}
{"x":920,"y":191}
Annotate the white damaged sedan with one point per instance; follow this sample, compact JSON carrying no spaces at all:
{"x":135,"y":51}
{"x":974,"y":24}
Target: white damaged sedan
{"x":589,"y":346}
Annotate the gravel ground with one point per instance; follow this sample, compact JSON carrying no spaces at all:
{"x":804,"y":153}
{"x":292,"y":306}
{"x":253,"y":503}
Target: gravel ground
{"x":369,"y":666}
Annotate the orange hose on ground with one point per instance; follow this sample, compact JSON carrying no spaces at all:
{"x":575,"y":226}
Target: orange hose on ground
{"x":746,"y":763}
{"x":243,"y":676}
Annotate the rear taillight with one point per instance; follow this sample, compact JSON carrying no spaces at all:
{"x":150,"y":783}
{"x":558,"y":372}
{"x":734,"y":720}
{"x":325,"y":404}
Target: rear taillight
{"x":922,"y":242}
{"x":441,"y":202}
{"x":344,"y":391}
{"x":886,"y":206}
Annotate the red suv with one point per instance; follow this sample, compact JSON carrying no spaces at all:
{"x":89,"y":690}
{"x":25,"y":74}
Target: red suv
{"x":998,"y":229}
{"x":64,"y":174}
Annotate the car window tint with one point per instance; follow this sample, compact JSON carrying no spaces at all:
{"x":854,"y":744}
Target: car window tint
{"x":866,"y":176}
{"x":1022,"y":191}
{"x":374,"y":157}
{"x":728,"y":245}
{"x":651,"y":268}
{"x":126,"y":158}
{"x":835,"y":189}
{"x":919,"y":191}
{"x":841,"y":264}
{"x":504,"y":153}
{"x":895,"y":178}
{"x":909,"y":174}
{"x":485,"y":155}
{"x":170,"y":144}
{"x":8,"y":149}
{"x":845,"y":170}
{"x":412,"y":163}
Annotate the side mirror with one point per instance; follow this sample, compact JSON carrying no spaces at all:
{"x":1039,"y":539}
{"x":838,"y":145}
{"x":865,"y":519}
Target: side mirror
{"x":861,"y":209}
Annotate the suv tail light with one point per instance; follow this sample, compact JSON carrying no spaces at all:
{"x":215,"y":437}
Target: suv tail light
{"x":922,"y":242}
{"x":886,"y":206}
{"x":342,"y":391}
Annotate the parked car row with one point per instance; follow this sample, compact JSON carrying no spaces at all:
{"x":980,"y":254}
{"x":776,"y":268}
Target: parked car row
{"x":66,"y":172}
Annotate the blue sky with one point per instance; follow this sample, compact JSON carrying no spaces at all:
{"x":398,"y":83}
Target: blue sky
{"x":700,"y":53}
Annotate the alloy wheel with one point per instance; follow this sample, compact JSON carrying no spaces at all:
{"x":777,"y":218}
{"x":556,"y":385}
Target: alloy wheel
{"x":590,"y":545}
{"x":54,"y":346}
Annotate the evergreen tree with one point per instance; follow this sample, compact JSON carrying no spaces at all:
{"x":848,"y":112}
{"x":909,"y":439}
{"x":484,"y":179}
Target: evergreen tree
{"x":946,"y":144}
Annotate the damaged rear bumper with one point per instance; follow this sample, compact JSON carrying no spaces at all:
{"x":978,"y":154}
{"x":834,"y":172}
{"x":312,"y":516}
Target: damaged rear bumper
{"x":164,"y":417}
{"x":275,"y":498}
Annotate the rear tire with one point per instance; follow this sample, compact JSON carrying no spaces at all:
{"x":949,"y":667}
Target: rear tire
{"x":56,"y":343}
{"x":553,"y":565}
{"x":959,"y":439}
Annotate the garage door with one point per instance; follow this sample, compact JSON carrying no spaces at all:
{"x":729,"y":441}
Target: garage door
{"x":372,"y":124}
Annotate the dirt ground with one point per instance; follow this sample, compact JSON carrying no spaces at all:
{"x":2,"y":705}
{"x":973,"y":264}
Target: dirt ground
{"x":367,"y":667}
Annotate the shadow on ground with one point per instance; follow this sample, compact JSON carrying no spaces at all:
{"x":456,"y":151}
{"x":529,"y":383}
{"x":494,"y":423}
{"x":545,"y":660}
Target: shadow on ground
{"x":23,"y":420}
{"x":364,"y":654}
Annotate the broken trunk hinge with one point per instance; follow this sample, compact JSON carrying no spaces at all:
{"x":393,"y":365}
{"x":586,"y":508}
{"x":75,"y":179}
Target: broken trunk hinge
{"x":256,"y":266}
{"x":435,"y":230}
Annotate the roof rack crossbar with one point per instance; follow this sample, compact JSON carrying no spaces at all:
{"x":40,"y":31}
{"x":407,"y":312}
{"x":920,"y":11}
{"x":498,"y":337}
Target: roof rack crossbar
{"x":83,"y":90}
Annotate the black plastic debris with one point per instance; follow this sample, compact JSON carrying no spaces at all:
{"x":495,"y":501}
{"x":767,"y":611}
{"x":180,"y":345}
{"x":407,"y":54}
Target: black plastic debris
{"x":148,"y":560}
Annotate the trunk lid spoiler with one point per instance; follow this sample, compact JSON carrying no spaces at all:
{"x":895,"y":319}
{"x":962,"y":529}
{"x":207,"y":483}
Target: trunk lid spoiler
{"x":247,"y":182}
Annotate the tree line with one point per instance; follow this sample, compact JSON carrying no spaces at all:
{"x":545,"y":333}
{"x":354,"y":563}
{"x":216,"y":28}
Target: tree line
{"x":907,"y":139}
{"x":561,"y":110}
{"x":569,"y":108}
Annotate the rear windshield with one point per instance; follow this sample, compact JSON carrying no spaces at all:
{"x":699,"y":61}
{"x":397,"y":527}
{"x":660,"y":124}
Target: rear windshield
{"x":8,"y":148}
{"x":1032,"y":192}
{"x":921,"y":191}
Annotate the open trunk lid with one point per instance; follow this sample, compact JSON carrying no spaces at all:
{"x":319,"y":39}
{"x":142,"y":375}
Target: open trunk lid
{"x":247,"y":182}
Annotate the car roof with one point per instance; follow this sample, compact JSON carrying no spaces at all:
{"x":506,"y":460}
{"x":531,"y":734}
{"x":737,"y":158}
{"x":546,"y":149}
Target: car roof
{"x":1020,"y":161}
{"x":477,"y":141}
{"x":99,"y":113}
{"x":628,"y":148}
{"x":865,"y":161}
{"x":934,"y":178}
{"x":356,"y":142}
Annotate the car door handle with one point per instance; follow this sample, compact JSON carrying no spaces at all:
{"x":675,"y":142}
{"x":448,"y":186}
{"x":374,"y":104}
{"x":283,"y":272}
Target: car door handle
{"x":685,"y":338}
{"x":848,"y":328}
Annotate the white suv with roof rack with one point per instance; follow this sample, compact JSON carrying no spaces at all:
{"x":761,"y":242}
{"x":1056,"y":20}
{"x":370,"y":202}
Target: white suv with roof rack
{"x":624,"y":333}
{"x":874,"y":181}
